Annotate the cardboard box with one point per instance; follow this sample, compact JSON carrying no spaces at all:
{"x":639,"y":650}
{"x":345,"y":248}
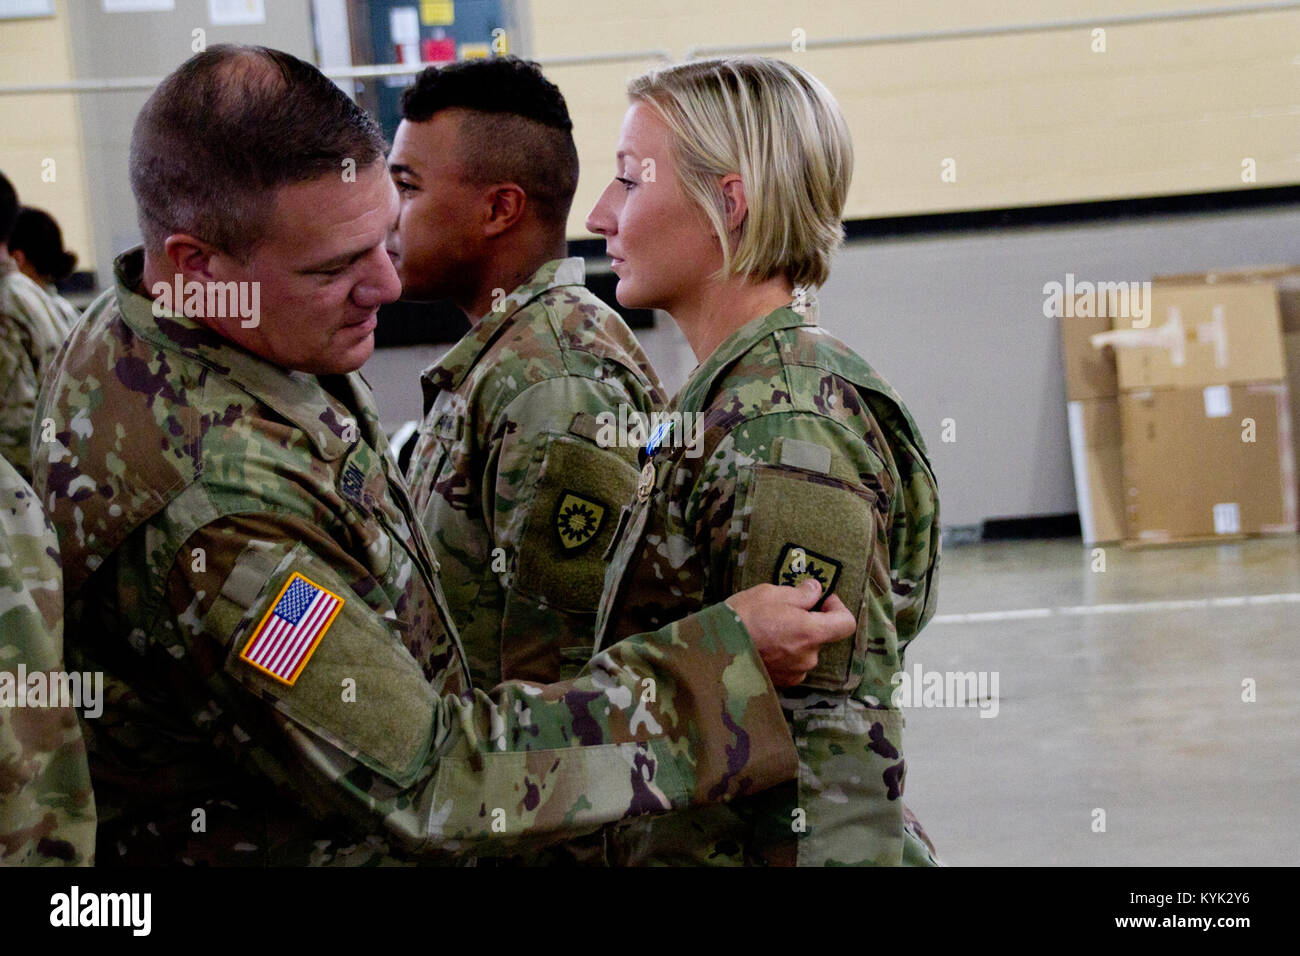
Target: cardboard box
{"x":1089,"y":372}
{"x":1150,"y":465}
{"x":1096,"y":451}
{"x":1288,"y":302}
{"x":1092,"y":415}
{"x":1285,"y":278}
{"x":1209,"y":462}
{"x":1267,"y":273}
{"x":1291,"y":343}
{"x":1203,"y":334}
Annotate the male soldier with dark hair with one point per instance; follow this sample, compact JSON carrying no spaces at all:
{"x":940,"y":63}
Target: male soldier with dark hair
{"x":242,"y":560}
{"x":518,"y":500}
{"x":31,"y":331}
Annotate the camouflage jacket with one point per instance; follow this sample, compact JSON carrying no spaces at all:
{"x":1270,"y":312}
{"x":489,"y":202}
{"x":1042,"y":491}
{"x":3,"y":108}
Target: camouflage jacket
{"x":31,"y":331}
{"x":241,"y":559}
{"x":47,"y":811}
{"x":68,"y":313}
{"x":515,"y":496}
{"x":809,"y":464}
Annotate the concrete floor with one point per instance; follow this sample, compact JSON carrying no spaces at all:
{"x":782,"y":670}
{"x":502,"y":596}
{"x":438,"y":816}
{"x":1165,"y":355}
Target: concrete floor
{"x":1120,"y":690}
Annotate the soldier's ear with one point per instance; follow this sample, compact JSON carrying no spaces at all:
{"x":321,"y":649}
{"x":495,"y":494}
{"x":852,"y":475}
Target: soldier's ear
{"x":190,"y":256}
{"x":733,"y":195}
{"x":505,"y":207}
{"x":20,"y":260}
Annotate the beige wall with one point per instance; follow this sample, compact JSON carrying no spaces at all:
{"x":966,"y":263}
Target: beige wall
{"x":122,"y":45}
{"x":39,"y":127}
{"x":1030,"y":119}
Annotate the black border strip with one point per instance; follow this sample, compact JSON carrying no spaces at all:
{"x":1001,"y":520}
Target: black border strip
{"x":1029,"y":217}
{"x":1031,"y":528}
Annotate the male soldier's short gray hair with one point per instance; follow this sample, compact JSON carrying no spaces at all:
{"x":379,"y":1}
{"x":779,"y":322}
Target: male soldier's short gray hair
{"x":781,"y":130}
{"x":228,"y":128}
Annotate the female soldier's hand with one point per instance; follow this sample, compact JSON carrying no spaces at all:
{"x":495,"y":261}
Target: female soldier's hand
{"x":785,"y":630}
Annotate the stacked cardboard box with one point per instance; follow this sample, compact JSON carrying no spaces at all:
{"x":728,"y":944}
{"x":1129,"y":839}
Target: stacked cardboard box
{"x":1206,"y":416}
{"x":1185,"y":433}
{"x":1287,"y":281}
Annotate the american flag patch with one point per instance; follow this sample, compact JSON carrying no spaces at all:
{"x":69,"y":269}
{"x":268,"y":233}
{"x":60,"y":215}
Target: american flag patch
{"x":291,"y":630}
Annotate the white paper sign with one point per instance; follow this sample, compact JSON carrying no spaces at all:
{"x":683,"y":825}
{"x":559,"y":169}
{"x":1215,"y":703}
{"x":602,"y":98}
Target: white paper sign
{"x":224,"y":13}
{"x":404,"y":25}
{"x":137,"y":6}
{"x":1227,"y":518}
{"x":21,"y":9}
{"x":1218,"y":402}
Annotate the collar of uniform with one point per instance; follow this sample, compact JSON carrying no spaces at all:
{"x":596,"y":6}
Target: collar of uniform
{"x":736,"y":345}
{"x":451,"y":369}
{"x":295,"y":395}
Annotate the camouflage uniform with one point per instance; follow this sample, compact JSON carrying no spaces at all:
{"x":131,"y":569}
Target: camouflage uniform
{"x":47,"y":811}
{"x":31,"y":331}
{"x":197,"y":489}
{"x":68,"y":313}
{"x":514,"y":495}
{"x":811,"y":465}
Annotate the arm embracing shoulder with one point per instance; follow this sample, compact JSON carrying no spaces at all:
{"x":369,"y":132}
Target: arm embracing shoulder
{"x":660,"y":721}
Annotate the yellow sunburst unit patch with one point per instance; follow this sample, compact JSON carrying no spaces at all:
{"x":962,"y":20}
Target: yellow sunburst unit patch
{"x":797,"y":563}
{"x":577,"y":519}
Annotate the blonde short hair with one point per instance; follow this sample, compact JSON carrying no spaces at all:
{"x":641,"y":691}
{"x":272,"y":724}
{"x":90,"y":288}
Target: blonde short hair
{"x":781,"y":130}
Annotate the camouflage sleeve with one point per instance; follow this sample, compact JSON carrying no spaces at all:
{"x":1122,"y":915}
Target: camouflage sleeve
{"x":914,"y":543}
{"x":47,"y":811}
{"x":792,"y":495}
{"x":679,"y":717}
{"x":551,"y":498}
{"x":18,"y":389}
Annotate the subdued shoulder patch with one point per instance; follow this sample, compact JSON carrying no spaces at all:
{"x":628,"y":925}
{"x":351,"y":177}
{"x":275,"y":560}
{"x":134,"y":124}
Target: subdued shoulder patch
{"x":798,"y":524}
{"x":578,"y":519}
{"x":572,"y":506}
{"x":797,"y":563}
{"x":292,"y":629}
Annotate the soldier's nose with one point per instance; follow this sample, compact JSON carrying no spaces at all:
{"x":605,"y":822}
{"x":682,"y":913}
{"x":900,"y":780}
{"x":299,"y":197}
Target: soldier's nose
{"x":381,"y":284}
{"x":598,"y":220}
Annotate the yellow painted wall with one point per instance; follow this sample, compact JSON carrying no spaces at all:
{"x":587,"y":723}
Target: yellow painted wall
{"x":40,"y":127}
{"x":1031,"y":118}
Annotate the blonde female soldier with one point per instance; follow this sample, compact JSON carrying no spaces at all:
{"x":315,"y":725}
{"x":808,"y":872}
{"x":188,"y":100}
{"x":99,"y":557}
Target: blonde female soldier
{"x":724,"y":211}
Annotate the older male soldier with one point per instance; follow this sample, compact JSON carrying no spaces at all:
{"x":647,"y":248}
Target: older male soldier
{"x":31,"y":331}
{"x":242,"y":560}
{"x":517,"y":498}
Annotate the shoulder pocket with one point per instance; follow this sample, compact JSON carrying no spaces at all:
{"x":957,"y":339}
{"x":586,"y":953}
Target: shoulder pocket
{"x":800,"y":523}
{"x":574,"y":509}
{"x":309,"y":646}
